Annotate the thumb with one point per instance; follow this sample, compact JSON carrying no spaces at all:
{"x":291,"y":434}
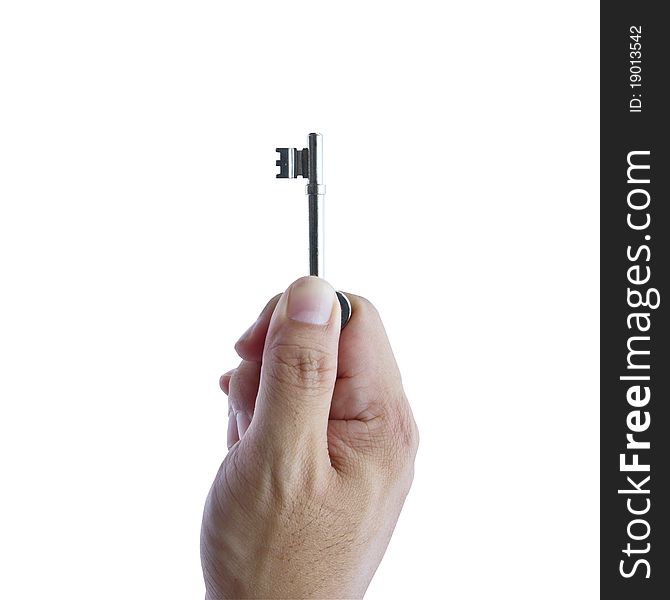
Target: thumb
{"x":299,"y":366}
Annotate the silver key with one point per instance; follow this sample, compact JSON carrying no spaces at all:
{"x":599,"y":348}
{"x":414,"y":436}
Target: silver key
{"x":308,"y":163}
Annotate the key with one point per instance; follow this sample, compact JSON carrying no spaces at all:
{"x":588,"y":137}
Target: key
{"x":308,"y":163}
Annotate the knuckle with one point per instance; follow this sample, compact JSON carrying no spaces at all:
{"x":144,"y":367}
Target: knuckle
{"x":404,"y":434}
{"x":391,"y":441}
{"x":300,"y":366}
{"x":367,"y":308}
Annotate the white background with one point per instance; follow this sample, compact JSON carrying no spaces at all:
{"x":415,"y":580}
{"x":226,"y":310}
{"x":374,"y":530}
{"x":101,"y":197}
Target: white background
{"x":142,"y":230}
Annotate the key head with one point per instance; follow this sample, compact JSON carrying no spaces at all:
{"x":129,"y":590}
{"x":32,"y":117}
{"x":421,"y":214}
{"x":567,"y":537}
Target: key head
{"x":345,"y":309}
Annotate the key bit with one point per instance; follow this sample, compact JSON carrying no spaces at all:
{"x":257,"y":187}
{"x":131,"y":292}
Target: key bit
{"x":308,"y":163}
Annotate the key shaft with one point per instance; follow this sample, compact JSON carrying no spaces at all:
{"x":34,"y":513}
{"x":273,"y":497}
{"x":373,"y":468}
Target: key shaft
{"x":316,"y":191}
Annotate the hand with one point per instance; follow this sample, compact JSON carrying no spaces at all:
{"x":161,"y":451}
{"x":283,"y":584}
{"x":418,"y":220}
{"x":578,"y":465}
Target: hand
{"x":321,"y":454}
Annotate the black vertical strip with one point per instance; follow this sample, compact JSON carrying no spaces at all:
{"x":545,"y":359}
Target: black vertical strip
{"x":635,"y":561}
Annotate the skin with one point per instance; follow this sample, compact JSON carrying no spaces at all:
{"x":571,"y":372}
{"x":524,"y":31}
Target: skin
{"x":321,"y":444}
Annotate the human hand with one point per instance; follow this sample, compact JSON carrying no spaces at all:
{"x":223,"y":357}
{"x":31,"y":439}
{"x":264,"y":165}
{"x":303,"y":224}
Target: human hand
{"x":321,"y":454}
